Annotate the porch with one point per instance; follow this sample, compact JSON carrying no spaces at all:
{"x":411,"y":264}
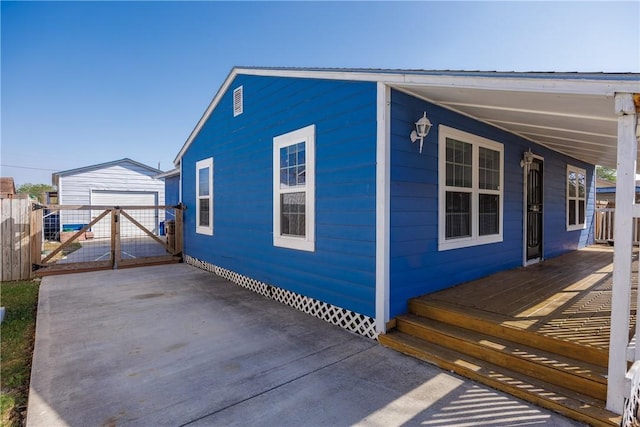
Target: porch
{"x":540,"y":332}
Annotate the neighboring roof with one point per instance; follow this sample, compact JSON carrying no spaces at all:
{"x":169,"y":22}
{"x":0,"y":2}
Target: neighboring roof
{"x":7,"y":186}
{"x":168,"y":174}
{"x":103,"y":165}
{"x":606,"y":190}
{"x":572,"y":113}
{"x":602,"y":188}
{"x":601,"y":182}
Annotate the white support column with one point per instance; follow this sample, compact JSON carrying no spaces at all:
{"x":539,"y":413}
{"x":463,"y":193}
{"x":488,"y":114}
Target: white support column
{"x":621,"y":295}
{"x":383,"y":206}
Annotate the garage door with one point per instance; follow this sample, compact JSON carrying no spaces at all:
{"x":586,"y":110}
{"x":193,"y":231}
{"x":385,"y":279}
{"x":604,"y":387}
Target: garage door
{"x":147,"y":217}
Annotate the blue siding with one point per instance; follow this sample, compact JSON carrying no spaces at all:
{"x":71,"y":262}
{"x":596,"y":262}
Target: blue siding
{"x":341,"y":270}
{"x":172,"y":190}
{"x":417,"y":267}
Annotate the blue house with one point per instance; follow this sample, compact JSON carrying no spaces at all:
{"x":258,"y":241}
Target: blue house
{"x":305,"y":185}
{"x":171,"y":186}
{"x":171,"y":194}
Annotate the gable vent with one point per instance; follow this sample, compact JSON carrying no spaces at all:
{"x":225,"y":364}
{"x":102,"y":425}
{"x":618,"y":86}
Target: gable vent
{"x":237,"y":101}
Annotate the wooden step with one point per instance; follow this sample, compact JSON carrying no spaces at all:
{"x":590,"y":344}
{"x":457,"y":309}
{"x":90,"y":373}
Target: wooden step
{"x":552,"y":368}
{"x":504,"y":327}
{"x":564,"y":401}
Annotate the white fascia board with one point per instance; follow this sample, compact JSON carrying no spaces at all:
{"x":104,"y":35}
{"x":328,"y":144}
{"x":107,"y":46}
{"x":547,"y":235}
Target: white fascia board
{"x":567,"y":85}
{"x":570,"y":83}
{"x":212,"y":105}
{"x":319,"y":74}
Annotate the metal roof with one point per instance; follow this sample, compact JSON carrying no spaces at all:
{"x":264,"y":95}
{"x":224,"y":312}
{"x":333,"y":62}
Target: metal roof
{"x":56,"y":175}
{"x":572,"y":113}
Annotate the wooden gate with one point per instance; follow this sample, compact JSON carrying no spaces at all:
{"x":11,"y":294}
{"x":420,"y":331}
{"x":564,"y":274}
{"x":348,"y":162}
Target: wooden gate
{"x":130,"y":236}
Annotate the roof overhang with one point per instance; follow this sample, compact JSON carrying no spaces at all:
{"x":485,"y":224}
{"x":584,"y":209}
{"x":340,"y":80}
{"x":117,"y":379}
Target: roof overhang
{"x":572,"y":113}
{"x":168,"y":174}
{"x":55,"y":175}
{"x":576,"y":118}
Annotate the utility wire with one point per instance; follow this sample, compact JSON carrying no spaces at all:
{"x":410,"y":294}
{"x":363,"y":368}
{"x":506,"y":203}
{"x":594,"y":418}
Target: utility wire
{"x":27,"y":167}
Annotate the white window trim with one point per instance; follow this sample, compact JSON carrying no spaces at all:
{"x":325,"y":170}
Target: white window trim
{"x":306,"y":135}
{"x":577,"y":171}
{"x":202,"y":164}
{"x":445,"y":132}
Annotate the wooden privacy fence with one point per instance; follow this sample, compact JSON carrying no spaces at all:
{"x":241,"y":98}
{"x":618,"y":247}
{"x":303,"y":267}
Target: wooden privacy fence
{"x":21,"y":236}
{"x":106,"y":237}
{"x":605,"y":222}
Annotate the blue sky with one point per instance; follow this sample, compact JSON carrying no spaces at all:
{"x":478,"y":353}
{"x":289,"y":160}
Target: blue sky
{"x":91,"y":82}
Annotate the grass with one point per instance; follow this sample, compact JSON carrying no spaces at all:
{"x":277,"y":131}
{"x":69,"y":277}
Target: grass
{"x":17,"y":333}
{"x":50,"y":246}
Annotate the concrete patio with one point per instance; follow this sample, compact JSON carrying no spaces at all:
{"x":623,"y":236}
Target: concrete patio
{"x":174,"y":345}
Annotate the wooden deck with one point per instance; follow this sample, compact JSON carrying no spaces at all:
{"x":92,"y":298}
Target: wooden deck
{"x":567,"y":297}
{"x":540,"y":333}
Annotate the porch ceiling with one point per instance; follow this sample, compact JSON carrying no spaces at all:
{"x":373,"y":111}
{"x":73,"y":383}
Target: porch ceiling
{"x":583,"y":126}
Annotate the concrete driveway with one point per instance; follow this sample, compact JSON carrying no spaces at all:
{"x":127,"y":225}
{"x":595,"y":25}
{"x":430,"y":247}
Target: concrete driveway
{"x":177,"y":346}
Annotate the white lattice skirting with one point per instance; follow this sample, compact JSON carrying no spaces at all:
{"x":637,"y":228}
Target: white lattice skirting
{"x":349,"y":320}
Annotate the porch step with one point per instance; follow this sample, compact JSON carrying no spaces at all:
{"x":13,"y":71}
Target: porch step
{"x":498,"y":351}
{"x":504,"y":327}
{"x":548,"y":367}
{"x":564,"y":401}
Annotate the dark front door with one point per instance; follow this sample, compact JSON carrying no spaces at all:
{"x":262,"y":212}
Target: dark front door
{"x":534,"y":210}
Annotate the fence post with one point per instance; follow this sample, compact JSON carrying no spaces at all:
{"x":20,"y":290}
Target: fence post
{"x":178,"y":230}
{"x":36,"y":237}
{"x":5,"y":234}
{"x":116,"y":253}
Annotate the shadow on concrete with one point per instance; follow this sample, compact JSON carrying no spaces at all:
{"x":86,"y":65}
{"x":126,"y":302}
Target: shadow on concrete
{"x":174,"y":345}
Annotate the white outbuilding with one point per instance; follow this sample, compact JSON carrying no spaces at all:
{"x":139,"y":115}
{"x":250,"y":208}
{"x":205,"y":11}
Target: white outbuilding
{"x":123,"y":182}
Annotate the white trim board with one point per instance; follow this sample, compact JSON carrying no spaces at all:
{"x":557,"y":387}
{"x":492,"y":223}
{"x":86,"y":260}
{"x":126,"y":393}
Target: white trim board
{"x":205,"y":164}
{"x":306,"y":135}
{"x":383,"y":205}
{"x":476,"y":142}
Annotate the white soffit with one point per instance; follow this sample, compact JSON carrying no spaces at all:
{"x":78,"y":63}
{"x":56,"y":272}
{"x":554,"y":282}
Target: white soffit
{"x":581,"y":126}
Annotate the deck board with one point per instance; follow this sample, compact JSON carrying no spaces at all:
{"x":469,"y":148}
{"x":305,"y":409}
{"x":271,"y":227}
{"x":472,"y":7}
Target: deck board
{"x":566,"y":297}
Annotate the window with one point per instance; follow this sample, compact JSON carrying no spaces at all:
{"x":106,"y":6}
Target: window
{"x":204,"y":196}
{"x":470,"y":190}
{"x":238,"y":101}
{"x":294,"y":189}
{"x":576,"y":198}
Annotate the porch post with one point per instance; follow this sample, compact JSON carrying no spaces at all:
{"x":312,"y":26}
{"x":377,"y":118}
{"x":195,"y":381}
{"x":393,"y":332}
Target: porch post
{"x":383,"y":206}
{"x":621,"y":293}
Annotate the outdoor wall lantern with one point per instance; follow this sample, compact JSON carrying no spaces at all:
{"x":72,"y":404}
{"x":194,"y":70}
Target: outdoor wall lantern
{"x":527,"y":158}
{"x":422,"y":129}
